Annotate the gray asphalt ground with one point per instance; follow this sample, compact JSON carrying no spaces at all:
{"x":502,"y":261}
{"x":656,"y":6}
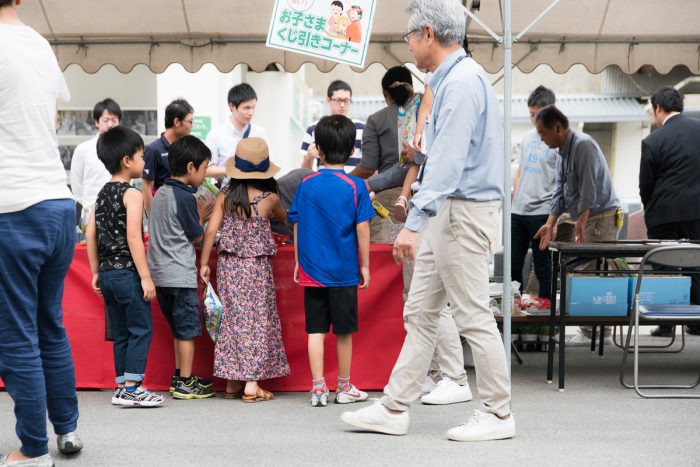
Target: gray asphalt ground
{"x":594,"y":422}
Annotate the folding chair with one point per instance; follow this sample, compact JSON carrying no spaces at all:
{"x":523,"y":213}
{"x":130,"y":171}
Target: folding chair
{"x":678,"y":260}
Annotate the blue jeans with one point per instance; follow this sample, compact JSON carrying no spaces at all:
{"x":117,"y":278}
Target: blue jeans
{"x":131,"y":322}
{"x":36,"y":364}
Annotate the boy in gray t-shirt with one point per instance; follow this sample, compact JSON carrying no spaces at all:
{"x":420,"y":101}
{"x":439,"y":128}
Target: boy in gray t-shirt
{"x":175,"y":224}
{"x":532,"y":196}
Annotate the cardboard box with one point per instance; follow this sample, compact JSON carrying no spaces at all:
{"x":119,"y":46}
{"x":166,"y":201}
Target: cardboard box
{"x":661,"y":290}
{"x":597,"y":296}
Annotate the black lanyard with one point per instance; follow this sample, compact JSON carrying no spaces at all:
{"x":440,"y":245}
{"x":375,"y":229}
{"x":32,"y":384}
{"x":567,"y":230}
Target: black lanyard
{"x":569,"y":162}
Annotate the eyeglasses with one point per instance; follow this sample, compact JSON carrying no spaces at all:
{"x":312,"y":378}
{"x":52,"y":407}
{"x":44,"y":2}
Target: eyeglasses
{"x":339,"y":100}
{"x":408,"y":34}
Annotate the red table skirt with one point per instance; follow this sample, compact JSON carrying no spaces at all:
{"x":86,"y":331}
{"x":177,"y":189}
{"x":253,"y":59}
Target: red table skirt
{"x":375,"y":346}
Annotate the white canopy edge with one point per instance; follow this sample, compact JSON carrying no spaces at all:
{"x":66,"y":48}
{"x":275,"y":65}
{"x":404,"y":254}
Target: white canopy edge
{"x":192,"y":54}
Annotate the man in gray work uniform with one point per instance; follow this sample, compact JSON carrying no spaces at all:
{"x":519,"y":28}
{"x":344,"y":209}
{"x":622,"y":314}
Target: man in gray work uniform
{"x":583,"y":188}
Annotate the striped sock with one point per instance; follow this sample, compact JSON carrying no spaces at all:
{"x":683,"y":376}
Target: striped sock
{"x":318,"y":383}
{"x":344,"y":384}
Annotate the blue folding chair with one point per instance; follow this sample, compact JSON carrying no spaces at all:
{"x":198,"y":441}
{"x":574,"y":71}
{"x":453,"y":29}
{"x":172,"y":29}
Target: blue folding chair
{"x":680,"y":259}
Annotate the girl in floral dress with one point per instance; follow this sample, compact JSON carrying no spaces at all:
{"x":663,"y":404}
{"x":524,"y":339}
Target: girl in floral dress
{"x":249,"y":346}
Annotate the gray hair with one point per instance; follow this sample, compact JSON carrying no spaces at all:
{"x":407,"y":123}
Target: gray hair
{"x":446,"y":17}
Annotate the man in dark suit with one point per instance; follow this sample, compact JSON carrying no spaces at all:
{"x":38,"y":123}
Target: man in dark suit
{"x":669,"y":179}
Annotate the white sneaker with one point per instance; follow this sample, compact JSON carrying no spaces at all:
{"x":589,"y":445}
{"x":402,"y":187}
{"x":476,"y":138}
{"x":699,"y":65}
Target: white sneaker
{"x":319,"y":397}
{"x":428,"y":385}
{"x":139,"y":397}
{"x":350,"y":396}
{"x":483,"y":426}
{"x":447,"y":392}
{"x":377,"y":418}
{"x":582,"y":340}
{"x":115,"y":395}
{"x":41,"y":461}
{"x":579,"y":340}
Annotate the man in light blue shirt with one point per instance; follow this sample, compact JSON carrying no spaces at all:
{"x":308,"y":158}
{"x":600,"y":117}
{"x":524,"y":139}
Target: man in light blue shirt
{"x":466,"y":135}
{"x":456,"y":212}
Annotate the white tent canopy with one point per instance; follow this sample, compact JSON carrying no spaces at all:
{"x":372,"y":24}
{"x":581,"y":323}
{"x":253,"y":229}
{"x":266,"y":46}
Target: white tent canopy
{"x":595,"y":33}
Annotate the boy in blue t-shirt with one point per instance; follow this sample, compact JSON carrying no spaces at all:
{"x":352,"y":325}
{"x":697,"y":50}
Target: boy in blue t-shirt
{"x":331,"y":213}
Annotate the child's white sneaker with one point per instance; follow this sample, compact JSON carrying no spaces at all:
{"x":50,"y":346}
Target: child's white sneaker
{"x":351,"y":395}
{"x":115,"y":395}
{"x":139,"y":397}
{"x":377,"y":418}
{"x":319,"y":397}
{"x":483,"y":426}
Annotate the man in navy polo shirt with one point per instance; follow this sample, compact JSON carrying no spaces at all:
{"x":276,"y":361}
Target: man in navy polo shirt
{"x":178,"y":123}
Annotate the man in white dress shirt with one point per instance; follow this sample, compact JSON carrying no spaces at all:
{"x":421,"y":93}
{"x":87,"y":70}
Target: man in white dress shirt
{"x":87,"y":173}
{"x":222,"y":140}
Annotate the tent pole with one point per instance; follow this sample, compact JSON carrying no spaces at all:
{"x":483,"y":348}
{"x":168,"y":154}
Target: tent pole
{"x":507,"y":91}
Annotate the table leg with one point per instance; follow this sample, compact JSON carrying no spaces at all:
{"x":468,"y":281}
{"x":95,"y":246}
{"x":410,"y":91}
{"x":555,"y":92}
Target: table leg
{"x":552,"y":317}
{"x":562,"y":323}
{"x":594,"y":331}
{"x":602,"y":341}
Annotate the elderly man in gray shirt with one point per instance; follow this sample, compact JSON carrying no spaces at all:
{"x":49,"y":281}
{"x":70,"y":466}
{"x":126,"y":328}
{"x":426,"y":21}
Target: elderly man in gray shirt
{"x":456,"y":215}
{"x":583,"y":186}
{"x":583,"y":189}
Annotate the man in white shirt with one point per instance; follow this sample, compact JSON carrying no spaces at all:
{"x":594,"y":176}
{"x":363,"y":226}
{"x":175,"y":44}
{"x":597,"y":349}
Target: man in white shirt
{"x":37,"y":221}
{"x":222,"y":140}
{"x":87,"y":173}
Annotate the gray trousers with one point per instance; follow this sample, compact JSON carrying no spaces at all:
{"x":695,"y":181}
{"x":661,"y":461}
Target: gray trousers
{"x":452,"y":266}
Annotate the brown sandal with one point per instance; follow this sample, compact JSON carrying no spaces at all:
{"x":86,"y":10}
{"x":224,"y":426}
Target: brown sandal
{"x":261,"y":395}
{"x":234,"y":395}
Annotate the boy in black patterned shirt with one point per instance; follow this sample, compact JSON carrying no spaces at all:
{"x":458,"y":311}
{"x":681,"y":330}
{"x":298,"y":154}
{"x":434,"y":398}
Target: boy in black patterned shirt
{"x":118,"y":263}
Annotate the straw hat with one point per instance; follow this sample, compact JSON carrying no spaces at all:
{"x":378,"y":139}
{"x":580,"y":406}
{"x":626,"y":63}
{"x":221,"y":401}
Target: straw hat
{"x":252,"y":160}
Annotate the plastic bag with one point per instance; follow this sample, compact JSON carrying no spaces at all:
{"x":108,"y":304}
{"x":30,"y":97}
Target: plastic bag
{"x":206,"y":194}
{"x":212,"y":312}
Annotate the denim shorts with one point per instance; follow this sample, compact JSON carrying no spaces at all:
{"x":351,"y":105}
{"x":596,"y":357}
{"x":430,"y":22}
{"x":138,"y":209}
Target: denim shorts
{"x":180,"y":307}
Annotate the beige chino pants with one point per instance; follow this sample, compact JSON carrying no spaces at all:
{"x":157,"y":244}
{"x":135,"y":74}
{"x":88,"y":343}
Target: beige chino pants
{"x":452,"y":266}
{"x":448,"y":358}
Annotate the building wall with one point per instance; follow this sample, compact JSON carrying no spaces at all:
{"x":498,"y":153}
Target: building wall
{"x":136,"y":89}
{"x":283,"y":111}
{"x":627,"y":143}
